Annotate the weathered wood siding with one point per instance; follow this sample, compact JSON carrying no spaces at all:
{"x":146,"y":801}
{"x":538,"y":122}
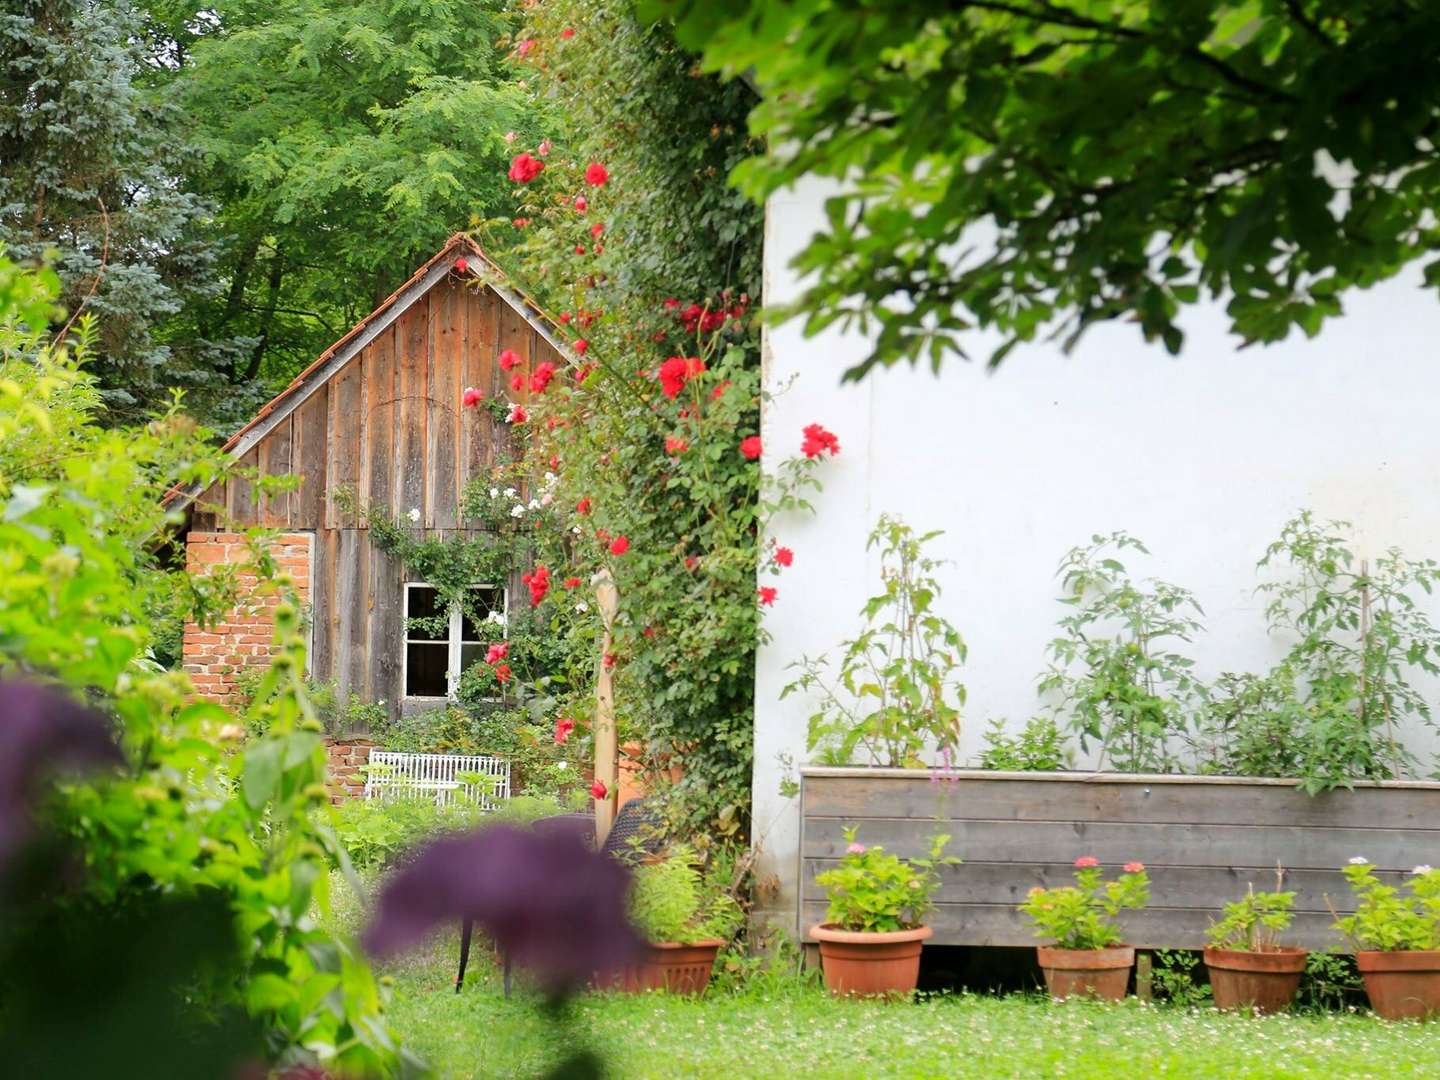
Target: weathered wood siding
{"x":389,"y":425}
{"x":1203,"y":840}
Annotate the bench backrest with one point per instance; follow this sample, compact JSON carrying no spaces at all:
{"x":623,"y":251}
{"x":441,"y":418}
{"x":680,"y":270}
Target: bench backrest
{"x":396,"y":774}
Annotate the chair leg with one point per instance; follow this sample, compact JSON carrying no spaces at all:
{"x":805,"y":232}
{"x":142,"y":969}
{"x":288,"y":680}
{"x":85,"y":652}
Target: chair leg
{"x":466,"y":929}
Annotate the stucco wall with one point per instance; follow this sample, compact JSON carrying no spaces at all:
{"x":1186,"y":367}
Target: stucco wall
{"x":1203,"y":457}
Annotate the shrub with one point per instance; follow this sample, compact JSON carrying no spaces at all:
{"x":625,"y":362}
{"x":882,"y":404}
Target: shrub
{"x":1391,"y":918}
{"x":897,"y":689}
{"x":379,"y":832}
{"x":873,"y":891}
{"x":1083,"y":915}
{"x":1039,"y":747}
{"x":670,"y":902}
{"x":1254,"y":922}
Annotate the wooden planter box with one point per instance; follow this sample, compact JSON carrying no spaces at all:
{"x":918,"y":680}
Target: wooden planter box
{"x":1201,"y":838}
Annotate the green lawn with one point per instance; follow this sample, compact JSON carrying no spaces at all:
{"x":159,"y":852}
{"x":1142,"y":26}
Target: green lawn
{"x":794,"y":1031}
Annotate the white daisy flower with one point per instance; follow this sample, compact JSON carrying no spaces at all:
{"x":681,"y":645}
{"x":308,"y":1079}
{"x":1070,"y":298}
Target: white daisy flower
{"x":562,"y":764}
{"x":414,"y":514}
{"x":517,"y":511}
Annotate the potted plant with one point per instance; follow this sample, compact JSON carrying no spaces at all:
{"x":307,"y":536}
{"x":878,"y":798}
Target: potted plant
{"x":1087,"y":957}
{"x":874,"y":926}
{"x":684,"y":927}
{"x":1248,"y":967}
{"x":1395,"y":932}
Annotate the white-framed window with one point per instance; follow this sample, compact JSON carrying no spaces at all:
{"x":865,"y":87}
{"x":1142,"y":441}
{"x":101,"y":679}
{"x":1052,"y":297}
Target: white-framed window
{"x":440,"y":644}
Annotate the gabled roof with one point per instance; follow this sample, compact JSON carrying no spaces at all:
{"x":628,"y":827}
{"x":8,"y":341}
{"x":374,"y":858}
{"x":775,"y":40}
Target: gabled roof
{"x":439,"y":265}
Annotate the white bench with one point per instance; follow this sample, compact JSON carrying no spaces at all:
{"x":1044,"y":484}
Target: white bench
{"x":394,"y":774}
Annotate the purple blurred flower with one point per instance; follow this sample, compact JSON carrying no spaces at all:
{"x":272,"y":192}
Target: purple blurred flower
{"x":41,"y":730}
{"x":552,"y":903}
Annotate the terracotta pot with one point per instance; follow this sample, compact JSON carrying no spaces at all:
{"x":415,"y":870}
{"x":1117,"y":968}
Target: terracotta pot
{"x":1402,"y":985}
{"x":1103,"y":973}
{"x":884,"y":962}
{"x":668,"y":965}
{"x":1263,"y":981}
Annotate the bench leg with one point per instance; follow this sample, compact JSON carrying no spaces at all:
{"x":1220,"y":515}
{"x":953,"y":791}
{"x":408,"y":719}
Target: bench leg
{"x":466,"y":929}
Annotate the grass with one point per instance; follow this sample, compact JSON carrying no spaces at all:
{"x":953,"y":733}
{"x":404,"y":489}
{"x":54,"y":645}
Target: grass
{"x":781,"y":1026}
{"x":795,"y":1030}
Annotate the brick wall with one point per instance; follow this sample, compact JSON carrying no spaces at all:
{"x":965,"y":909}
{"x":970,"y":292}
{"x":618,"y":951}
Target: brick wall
{"x":243,"y":637}
{"x":343,"y":761}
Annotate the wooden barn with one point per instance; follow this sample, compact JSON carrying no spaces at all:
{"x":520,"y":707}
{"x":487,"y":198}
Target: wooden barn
{"x":379,"y":413}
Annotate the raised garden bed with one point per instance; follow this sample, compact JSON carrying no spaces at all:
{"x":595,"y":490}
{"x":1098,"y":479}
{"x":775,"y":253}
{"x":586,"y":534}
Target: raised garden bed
{"x":1202,"y":838}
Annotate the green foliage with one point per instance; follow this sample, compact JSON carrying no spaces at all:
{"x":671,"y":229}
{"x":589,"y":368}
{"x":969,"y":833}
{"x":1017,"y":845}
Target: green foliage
{"x":92,"y":183}
{"x":342,"y":144}
{"x":1392,"y":918}
{"x":1082,"y":916}
{"x":1252,"y":725}
{"x":1115,"y":672}
{"x":1331,"y":981}
{"x":338,"y":715}
{"x":1254,"y":922}
{"x":988,"y":184}
{"x":897,"y":690}
{"x":1360,"y":632}
{"x":671,"y":901}
{"x":379,"y":833}
{"x":1040,"y":747}
{"x":194,"y":814}
{"x":1174,"y":978}
{"x":874,"y":891}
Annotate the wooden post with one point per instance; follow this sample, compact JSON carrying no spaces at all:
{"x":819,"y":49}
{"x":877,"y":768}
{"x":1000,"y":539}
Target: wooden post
{"x":1144,"y":975}
{"x":606,"y":770}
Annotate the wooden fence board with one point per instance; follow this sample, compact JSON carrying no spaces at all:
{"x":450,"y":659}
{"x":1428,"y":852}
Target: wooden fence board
{"x":1203,"y":840}
{"x":276,"y":455}
{"x":311,"y":422}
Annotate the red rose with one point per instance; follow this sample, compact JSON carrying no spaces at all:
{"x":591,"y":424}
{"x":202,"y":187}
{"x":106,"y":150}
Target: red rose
{"x":583,"y":506}
{"x":598,"y":249}
{"x":579,"y":249}
{"x":691,"y":562}
{"x":521,"y":222}
{"x":818,"y":441}
{"x":597,"y":229}
{"x":648,"y":632}
{"x":563,"y":727}
{"x":517,"y":382}
{"x":711,"y":321}
{"x":538,"y":581}
{"x":502,"y":673}
{"x":599,"y":790}
{"x":518,"y":415}
{"x":750,"y":447}
{"x":676,"y":445}
{"x":580,"y":345}
{"x":619,"y":545}
{"x":572,"y":583}
{"x":609,"y":660}
{"x":691,"y":315}
{"x":719,"y":391}
{"x":595,"y":174}
{"x":461,"y":266}
{"x":580,"y":203}
{"x":673,"y":373}
{"x":565,"y":316}
{"x":583,"y":372}
{"x":523,"y":49}
{"x":671,"y":304}
{"x":509,"y":359}
{"x":540,"y":378}
{"x":524,"y":168}
{"x":784,"y":556}
{"x":568,"y":32}
{"x":767,"y":594}
{"x":471,"y":397}
{"x":497,"y":652}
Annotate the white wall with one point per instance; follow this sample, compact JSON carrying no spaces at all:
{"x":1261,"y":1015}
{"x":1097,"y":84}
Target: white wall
{"x":1202,"y":457}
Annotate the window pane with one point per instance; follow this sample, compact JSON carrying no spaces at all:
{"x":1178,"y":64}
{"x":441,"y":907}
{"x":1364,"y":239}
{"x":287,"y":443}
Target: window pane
{"x":423,"y":602}
{"x":484,"y":601}
{"x":471,"y":654}
{"x":425,"y":670}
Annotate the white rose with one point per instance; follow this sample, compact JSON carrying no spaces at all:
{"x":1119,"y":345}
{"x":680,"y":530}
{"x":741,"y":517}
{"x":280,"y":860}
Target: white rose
{"x":494,"y":493}
{"x":534,"y":504}
{"x":581,"y":608}
{"x":414,"y":514}
{"x":562,"y":765}
{"x":517,"y":511}
{"x":509,"y":493}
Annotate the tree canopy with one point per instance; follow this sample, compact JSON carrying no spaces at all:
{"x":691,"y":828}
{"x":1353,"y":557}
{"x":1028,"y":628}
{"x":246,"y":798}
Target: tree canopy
{"x":1038,"y":166}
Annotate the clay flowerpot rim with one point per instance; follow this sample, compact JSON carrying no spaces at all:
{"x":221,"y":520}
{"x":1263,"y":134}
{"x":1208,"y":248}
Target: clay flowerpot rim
{"x":1398,"y":960}
{"x":703,"y":943}
{"x":831,"y":932}
{"x":1281,"y":958}
{"x":1111,"y":956}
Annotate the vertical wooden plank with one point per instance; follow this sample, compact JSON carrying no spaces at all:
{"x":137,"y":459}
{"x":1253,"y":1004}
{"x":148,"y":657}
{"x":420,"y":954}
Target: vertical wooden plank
{"x":482,"y":333}
{"x":276,"y":460}
{"x":386,"y":636}
{"x":350,"y":591}
{"x":447,"y":308}
{"x":380,"y":370}
{"x":312,"y":430}
{"x":242,"y":493}
{"x":347,"y":425}
{"x":322,"y":600}
{"x":363,"y":606}
{"x":412,"y":343}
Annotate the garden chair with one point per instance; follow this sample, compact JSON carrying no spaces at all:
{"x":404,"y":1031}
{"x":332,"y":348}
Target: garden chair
{"x":636,"y":830}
